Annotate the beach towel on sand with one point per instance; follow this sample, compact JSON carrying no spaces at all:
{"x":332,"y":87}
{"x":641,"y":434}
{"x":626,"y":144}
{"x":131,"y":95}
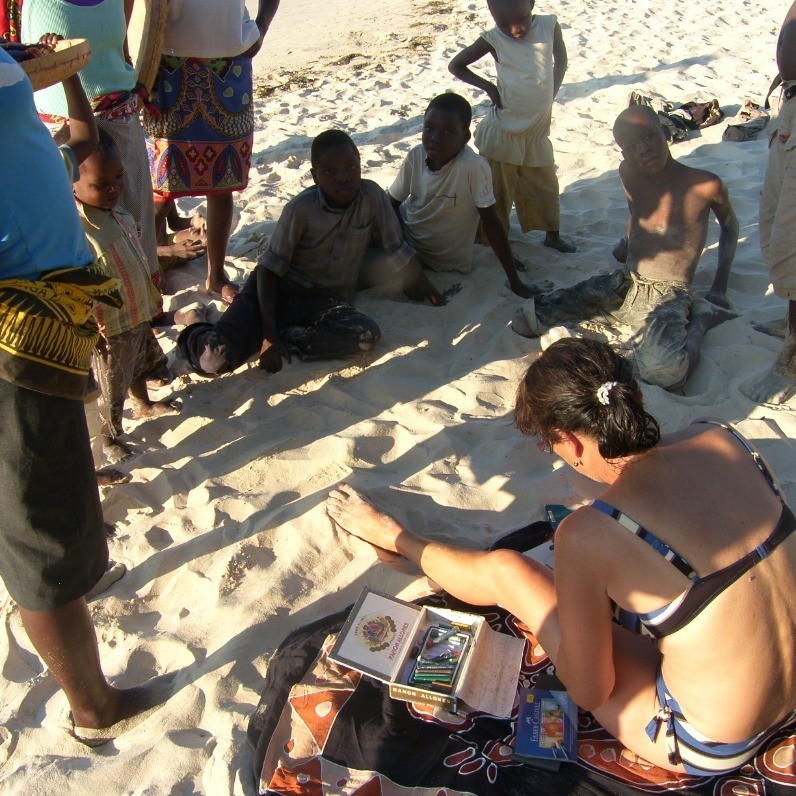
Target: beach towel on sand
{"x":321,"y":728}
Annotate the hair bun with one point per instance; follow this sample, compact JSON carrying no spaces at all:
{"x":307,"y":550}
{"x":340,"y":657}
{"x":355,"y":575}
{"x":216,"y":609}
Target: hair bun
{"x":604,"y":392}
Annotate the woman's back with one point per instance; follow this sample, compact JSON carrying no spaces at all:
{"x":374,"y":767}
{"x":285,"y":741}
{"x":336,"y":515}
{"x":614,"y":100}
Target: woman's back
{"x":731,"y":667}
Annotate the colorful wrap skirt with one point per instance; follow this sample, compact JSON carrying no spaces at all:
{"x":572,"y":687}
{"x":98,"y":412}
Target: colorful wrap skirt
{"x":200,"y":126}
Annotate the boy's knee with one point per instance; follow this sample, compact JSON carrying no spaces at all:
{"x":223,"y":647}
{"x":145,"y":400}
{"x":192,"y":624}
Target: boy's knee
{"x":205,"y":351}
{"x":670,"y":374}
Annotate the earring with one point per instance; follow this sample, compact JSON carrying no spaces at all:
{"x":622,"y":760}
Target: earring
{"x":577,"y":463}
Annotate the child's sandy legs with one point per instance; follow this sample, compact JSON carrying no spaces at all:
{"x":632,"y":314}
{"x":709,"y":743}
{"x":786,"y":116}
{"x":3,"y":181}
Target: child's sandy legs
{"x":145,"y":407}
{"x":779,"y":385}
{"x":114,"y":450}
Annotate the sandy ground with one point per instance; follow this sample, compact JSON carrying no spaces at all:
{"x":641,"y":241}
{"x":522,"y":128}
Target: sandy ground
{"x":223,"y":527}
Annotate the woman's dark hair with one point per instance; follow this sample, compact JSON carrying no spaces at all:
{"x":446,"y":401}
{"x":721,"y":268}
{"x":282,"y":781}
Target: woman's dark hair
{"x":580,"y":385}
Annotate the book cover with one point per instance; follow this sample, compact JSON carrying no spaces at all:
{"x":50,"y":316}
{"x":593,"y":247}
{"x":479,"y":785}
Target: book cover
{"x":547,"y":727}
{"x":376,"y":634}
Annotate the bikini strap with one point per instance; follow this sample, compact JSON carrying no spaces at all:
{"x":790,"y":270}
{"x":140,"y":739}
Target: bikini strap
{"x":756,"y":456}
{"x":673,"y":557}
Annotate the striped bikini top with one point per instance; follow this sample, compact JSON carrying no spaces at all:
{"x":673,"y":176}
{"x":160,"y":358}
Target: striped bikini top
{"x":679,"y":612}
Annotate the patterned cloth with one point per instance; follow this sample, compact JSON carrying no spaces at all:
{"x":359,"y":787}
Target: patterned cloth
{"x":200,"y":126}
{"x":113,"y":237}
{"x":48,"y":330}
{"x":323,"y":729}
{"x":10,"y":19}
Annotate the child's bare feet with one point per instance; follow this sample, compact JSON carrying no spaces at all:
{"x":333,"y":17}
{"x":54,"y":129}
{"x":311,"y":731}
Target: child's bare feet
{"x":528,"y":290}
{"x":227,"y":291}
{"x":194,"y":313}
{"x":143,"y":410}
{"x":358,"y":517}
{"x":555,"y":240}
{"x":115,"y":451}
{"x":108,"y":476}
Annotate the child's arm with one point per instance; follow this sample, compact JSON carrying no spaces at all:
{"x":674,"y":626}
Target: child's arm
{"x":459,"y":68}
{"x":83,"y":134}
{"x":499,"y":241}
{"x":273,"y":350}
{"x":559,"y":59}
{"x":728,"y":242}
{"x":417,"y":286}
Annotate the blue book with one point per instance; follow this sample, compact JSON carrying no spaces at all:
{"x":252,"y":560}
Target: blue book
{"x":547,"y":728}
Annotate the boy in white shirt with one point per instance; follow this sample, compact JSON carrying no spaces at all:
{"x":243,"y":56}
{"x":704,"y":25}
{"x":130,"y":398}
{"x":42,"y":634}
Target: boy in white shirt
{"x":442,"y":192}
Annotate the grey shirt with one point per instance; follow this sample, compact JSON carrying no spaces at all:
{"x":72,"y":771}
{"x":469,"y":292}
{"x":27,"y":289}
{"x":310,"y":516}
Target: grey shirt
{"x":317,"y":245}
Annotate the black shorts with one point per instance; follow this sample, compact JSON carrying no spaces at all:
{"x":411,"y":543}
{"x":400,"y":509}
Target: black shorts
{"x":52,"y":540}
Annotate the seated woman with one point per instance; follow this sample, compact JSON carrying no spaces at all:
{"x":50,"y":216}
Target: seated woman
{"x":706,"y":672}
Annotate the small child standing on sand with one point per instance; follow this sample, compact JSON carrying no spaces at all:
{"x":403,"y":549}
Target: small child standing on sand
{"x":128,"y":350}
{"x":443,"y":189}
{"x":514,"y":136}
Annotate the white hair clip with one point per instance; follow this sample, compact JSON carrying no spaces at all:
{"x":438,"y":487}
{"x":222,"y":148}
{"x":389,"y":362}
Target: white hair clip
{"x":604,"y":392}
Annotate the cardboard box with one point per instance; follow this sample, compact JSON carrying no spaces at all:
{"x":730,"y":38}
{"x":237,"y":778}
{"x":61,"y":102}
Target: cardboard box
{"x":383,"y":637}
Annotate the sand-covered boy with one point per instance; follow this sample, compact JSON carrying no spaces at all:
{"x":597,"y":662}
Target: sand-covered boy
{"x":670,"y":205}
{"x":444,"y":189}
{"x":331,"y":239}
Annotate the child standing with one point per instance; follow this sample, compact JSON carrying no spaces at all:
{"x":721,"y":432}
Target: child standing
{"x":128,"y":350}
{"x":442,"y":191}
{"x":514,"y":136}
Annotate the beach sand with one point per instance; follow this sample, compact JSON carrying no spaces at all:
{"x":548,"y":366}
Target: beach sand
{"x":223,"y":526}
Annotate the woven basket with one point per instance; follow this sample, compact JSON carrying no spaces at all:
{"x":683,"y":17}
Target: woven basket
{"x":145,"y":36}
{"x":68,"y":58}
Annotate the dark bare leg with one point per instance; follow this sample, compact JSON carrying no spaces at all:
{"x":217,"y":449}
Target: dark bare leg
{"x":219,"y":225}
{"x":66,"y":641}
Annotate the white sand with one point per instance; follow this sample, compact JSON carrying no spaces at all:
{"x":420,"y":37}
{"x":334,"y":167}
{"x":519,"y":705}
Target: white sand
{"x":223,"y":526}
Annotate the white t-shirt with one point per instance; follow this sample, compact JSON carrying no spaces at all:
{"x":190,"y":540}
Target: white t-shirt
{"x":440,"y":208}
{"x":209,"y":29}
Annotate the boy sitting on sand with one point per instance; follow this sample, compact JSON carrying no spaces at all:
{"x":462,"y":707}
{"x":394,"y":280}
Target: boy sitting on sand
{"x":670,"y":205}
{"x":443,"y":189}
{"x":128,"y":351}
{"x":320,"y":253}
